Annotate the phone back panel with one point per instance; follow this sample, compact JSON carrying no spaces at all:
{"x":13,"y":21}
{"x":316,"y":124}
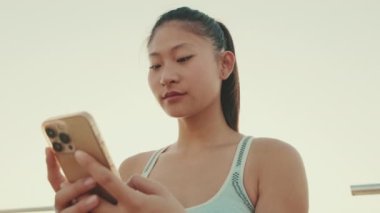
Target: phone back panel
{"x":76,"y":132}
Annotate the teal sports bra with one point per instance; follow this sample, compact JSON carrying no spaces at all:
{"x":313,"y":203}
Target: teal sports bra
{"x":232,"y":196}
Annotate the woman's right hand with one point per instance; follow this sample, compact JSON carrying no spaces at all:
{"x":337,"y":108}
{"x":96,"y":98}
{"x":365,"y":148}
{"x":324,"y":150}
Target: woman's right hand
{"x":67,"y":194}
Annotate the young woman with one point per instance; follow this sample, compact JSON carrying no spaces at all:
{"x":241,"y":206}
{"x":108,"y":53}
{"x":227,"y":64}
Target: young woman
{"x":212,"y":167}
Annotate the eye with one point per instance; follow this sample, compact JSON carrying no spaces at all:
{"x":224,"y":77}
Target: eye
{"x":184,"y":59}
{"x":154,"y":67}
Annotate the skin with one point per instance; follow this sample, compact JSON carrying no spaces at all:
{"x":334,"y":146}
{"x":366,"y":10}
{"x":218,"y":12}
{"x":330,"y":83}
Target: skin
{"x":138,"y":194}
{"x":274,"y":175}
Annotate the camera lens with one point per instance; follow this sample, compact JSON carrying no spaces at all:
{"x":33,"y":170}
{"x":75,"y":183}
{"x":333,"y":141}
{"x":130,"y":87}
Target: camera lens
{"x":65,"y":138}
{"x":57,"y":147}
{"x":50,"y":132}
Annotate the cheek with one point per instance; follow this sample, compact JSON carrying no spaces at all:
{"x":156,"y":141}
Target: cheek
{"x":207,"y":73}
{"x":153,"y":82}
{"x":207,"y":82}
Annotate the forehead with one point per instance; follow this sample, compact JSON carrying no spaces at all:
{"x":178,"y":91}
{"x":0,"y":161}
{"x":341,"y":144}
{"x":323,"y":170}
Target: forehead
{"x":176,"y":35}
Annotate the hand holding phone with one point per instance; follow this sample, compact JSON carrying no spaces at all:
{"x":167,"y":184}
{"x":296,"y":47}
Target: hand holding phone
{"x":68,"y":133}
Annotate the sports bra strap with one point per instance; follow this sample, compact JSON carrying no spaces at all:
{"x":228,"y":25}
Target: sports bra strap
{"x":152,"y":162}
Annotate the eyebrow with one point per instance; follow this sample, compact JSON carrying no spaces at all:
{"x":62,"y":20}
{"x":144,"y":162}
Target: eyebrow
{"x":176,"y":47}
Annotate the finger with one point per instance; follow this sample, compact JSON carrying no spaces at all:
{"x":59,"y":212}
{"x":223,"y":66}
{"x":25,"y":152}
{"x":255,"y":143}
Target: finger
{"x":146,"y":185}
{"x":110,"y":182}
{"x":66,"y":183}
{"x":103,"y":206}
{"x":82,"y":197}
{"x":55,"y":176}
{"x":84,"y":205}
{"x":72,"y":191}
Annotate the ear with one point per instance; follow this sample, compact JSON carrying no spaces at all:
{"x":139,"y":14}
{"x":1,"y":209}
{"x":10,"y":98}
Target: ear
{"x":227,"y":64}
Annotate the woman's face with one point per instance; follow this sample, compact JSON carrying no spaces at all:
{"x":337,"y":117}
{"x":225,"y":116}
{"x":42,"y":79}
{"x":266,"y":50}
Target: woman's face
{"x":184,"y":71}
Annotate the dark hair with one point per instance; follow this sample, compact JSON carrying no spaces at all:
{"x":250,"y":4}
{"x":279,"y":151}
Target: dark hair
{"x":203,"y":25}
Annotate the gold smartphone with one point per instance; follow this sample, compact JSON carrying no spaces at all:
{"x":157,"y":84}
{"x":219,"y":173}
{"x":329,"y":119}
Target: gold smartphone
{"x":71,"y":132}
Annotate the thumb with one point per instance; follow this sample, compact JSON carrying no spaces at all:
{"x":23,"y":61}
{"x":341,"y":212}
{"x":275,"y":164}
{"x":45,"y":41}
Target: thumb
{"x":146,"y":185}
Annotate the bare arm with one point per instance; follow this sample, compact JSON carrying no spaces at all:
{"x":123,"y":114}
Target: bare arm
{"x":282,"y":185}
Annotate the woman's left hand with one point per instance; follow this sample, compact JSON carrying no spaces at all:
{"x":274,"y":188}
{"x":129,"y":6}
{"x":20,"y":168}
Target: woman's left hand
{"x":139,"y":194}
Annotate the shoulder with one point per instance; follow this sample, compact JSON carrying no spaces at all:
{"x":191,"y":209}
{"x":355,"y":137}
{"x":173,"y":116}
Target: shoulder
{"x":280,"y":175}
{"x":134,"y":165}
{"x":273,"y":149}
{"x":269,"y":154}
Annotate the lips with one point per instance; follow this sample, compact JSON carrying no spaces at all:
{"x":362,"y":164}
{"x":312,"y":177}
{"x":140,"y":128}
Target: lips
{"x":172,"y":94}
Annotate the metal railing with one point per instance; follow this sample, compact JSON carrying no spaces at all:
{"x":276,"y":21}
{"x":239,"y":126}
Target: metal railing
{"x":32,"y":209}
{"x":365,"y":189}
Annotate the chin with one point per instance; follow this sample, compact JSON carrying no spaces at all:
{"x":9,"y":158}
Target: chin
{"x":176,"y":114}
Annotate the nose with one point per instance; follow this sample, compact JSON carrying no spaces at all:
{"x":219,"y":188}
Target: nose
{"x":169,"y":76}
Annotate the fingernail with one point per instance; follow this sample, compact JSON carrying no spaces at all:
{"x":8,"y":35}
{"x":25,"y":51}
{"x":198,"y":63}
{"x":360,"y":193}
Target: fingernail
{"x":91,"y":200}
{"x":89,"y":181}
{"x":80,"y":156}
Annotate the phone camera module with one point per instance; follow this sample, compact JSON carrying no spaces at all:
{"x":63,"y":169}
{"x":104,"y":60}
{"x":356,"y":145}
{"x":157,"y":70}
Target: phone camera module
{"x":65,"y":138}
{"x":51,"y":132}
{"x":57,"y":147}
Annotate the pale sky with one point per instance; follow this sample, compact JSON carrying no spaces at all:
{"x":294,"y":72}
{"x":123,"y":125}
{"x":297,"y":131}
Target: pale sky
{"x":310,"y":76}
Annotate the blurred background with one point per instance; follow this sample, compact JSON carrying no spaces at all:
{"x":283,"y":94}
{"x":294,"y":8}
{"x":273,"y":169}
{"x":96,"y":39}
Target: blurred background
{"x":310,"y":76}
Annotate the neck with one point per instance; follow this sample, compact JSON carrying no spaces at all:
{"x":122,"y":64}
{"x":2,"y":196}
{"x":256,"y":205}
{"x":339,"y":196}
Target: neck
{"x":205,"y":129}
